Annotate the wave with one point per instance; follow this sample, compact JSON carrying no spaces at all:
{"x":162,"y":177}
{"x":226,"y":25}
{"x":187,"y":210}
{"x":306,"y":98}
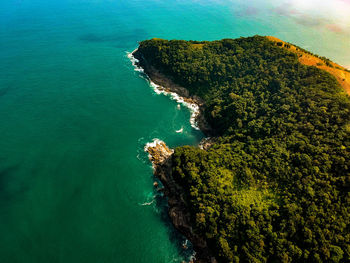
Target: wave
{"x":193,"y":107}
{"x":153,"y":143}
{"x":193,"y":256}
{"x":140,"y":153}
{"x":134,"y":61}
{"x":180,"y":131}
{"x":148,"y":203}
{"x":150,"y":199}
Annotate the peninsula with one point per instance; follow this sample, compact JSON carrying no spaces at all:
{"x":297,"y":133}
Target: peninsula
{"x":273,"y":184}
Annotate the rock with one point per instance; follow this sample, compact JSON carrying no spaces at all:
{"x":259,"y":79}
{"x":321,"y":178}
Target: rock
{"x":160,"y":156}
{"x":168,"y":85}
{"x":158,"y":152}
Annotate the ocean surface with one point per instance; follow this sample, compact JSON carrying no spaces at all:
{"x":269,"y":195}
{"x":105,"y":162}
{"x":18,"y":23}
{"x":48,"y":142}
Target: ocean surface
{"x":75,"y":182}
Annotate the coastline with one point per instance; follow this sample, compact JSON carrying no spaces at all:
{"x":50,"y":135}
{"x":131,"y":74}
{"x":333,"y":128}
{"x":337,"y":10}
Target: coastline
{"x":161,"y":156}
{"x":163,"y":84}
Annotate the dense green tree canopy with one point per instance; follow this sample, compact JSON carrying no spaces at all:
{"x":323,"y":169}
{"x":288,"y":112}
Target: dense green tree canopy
{"x":275,"y":185}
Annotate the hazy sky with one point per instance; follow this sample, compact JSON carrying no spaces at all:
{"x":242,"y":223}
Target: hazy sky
{"x":331,"y":14}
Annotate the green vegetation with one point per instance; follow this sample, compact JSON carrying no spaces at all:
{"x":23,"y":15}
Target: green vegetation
{"x":275,"y":185}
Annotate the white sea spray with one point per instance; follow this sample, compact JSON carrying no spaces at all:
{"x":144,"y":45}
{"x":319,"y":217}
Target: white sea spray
{"x":134,"y":61}
{"x":193,"y":107}
{"x":180,"y":130}
{"x":148,"y":203}
{"x":152,"y":144}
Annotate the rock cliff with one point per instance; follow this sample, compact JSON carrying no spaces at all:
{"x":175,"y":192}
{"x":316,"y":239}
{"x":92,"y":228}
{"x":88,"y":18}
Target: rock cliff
{"x":161,"y":157}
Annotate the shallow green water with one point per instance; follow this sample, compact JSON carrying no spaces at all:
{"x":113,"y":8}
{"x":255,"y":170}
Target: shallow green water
{"x":75,"y":116}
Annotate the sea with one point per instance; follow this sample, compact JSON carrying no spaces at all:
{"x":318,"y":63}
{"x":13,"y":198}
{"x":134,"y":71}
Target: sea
{"x":75,"y":182}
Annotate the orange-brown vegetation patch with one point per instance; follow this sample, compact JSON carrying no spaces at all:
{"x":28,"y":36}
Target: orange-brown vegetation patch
{"x":156,"y":38}
{"x":198,"y":46}
{"x":339,"y":72}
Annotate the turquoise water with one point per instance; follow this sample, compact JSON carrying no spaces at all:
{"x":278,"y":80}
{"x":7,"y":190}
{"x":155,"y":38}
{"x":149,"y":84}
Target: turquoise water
{"x":75,"y":183}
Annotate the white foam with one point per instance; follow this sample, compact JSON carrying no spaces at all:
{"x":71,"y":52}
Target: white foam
{"x":194,"y":108}
{"x":180,"y":130}
{"x":152,"y":144}
{"x":185,"y":243}
{"x":134,"y":62}
{"x":193,"y":256}
{"x":148,"y":203}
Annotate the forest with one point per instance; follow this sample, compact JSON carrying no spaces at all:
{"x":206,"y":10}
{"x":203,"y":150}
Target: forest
{"x":274,"y":187}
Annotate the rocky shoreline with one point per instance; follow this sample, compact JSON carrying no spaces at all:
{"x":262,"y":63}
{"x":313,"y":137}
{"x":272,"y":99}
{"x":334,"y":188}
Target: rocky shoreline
{"x":166,"y":84}
{"x":161,"y":157}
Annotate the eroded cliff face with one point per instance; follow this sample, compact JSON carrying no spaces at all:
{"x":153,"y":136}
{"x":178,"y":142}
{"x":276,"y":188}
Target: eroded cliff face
{"x":167,"y":84}
{"x":158,"y":152}
{"x":161,"y":157}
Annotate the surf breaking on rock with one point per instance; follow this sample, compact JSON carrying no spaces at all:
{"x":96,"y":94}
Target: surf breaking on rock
{"x":158,"y":89}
